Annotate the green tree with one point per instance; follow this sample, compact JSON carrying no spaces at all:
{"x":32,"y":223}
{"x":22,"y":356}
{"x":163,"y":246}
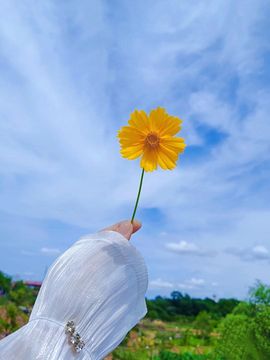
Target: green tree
{"x":245,"y":334}
{"x":235,"y":342}
{"x":261,"y":332}
{"x":5,"y":283}
{"x":226,"y":306}
{"x":21,"y":294}
{"x":204,"y":323}
{"x":9,"y":323}
{"x":260,"y":294}
{"x":4,"y":327}
{"x":12,"y":313}
{"x":243,"y":308}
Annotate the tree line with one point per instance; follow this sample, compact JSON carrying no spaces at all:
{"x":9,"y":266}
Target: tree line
{"x":178,"y":304}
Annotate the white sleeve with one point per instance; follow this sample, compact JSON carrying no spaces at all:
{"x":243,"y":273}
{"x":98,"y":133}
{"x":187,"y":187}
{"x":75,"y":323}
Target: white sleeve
{"x":99,"y":283}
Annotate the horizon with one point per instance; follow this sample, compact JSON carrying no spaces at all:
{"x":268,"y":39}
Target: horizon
{"x":70,"y":77}
{"x":213,"y":297}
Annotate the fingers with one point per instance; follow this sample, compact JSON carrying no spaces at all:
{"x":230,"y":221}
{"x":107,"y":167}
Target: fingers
{"x":136,"y":226}
{"x":126,"y":228}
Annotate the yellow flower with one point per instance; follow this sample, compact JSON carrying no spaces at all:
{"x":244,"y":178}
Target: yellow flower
{"x":153,"y":138}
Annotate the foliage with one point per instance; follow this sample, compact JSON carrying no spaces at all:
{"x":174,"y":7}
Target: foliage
{"x":178,"y":327}
{"x":243,"y":308}
{"x":261,"y":332}
{"x":168,"y":355}
{"x":13,"y":297}
{"x":5,"y":283}
{"x":167,"y":309}
{"x":12,"y":319}
{"x":224,"y":330}
{"x":121,"y":354}
{"x":235,"y":337}
{"x":205,"y":323}
{"x":16,"y":292}
{"x":21,"y":295}
{"x":260,"y":294}
{"x":245,"y":334}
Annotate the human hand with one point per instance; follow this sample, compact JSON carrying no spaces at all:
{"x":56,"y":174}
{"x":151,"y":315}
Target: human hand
{"x":125,"y":228}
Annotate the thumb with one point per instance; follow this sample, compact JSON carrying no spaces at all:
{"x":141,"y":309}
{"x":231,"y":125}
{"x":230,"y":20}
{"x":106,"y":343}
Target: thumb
{"x":125,"y":228}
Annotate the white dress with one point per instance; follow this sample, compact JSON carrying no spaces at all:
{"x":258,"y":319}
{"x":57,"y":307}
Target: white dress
{"x":99,"y":283}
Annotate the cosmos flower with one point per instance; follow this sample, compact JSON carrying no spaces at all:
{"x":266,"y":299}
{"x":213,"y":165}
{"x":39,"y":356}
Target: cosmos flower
{"x":152,"y":138}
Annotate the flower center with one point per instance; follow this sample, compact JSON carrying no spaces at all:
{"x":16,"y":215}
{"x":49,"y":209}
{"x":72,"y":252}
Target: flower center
{"x":152,"y":140}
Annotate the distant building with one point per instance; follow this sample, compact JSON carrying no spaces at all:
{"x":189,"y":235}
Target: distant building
{"x":33,"y":284}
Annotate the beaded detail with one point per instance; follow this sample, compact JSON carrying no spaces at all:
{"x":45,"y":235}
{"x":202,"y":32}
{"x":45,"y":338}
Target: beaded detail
{"x":74,"y":337}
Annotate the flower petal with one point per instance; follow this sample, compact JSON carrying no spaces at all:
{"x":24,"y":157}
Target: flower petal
{"x":164,"y":124}
{"x":129,"y":136}
{"x":173,"y":143}
{"x":165,"y":161}
{"x":157,"y":119}
{"x":132,"y":152}
{"x":173,"y":126}
{"x":149,"y":159}
{"x":167,"y":158}
{"x":172,"y":154}
{"x":139,"y":120}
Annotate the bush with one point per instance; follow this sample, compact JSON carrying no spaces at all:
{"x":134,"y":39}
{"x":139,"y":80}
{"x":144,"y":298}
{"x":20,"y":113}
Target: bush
{"x":205,"y":324}
{"x":122,"y":354}
{"x":245,"y":334}
{"x":236,"y":339}
{"x":5,"y":283}
{"x":21,"y":294}
{"x":168,"y":355}
{"x":260,"y":294}
{"x":261,"y":332}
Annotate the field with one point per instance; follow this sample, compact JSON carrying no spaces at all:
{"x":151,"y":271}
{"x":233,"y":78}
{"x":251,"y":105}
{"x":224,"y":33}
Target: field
{"x":156,"y":339}
{"x":176,"y":328}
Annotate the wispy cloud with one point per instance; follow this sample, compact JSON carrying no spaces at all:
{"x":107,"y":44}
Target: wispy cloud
{"x":160,"y":284}
{"x":193,"y":283}
{"x":257,"y":252}
{"x":68,"y":83}
{"x":50,"y":251}
{"x":197,"y":281}
{"x":186,"y":248}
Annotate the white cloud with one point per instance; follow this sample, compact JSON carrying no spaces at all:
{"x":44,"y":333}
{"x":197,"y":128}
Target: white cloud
{"x":193,"y":283}
{"x":183,"y":247}
{"x":50,"y":251}
{"x":257,"y":252}
{"x":260,"y":250}
{"x":213,"y":112}
{"x":160,"y":284}
{"x":184,"y":286}
{"x":197,"y":281}
{"x":186,"y":248}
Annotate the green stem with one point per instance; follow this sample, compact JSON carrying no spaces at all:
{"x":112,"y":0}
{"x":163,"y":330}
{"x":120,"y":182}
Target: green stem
{"x":138,"y":196}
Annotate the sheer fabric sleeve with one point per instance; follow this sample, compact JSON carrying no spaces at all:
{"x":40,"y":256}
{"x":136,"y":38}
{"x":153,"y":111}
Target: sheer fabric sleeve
{"x":99,"y":283}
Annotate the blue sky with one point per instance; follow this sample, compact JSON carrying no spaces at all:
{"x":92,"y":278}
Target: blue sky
{"x":72,"y":72}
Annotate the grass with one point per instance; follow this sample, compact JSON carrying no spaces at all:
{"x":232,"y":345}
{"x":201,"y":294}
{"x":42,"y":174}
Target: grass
{"x":150,"y":339}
